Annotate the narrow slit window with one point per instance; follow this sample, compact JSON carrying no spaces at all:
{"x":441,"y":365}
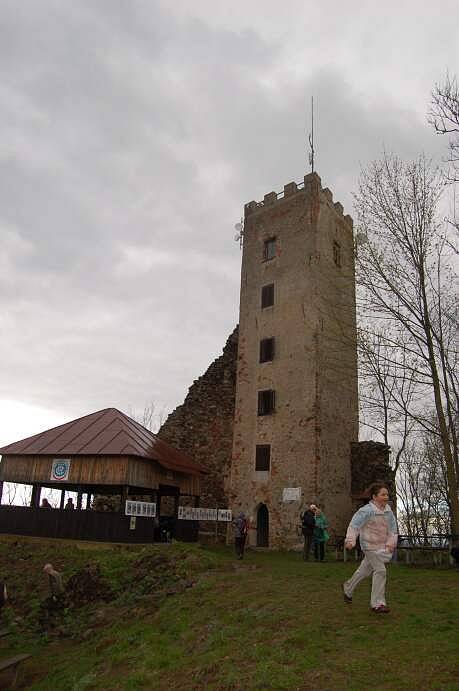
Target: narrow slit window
{"x":263,"y":457}
{"x":269,"y":249}
{"x":267,"y":296}
{"x":267,"y":349}
{"x":337,"y":253}
{"x":266,"y":402}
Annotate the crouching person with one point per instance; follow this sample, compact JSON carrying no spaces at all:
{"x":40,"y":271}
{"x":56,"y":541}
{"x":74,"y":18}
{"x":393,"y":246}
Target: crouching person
{"x":376,"y":527}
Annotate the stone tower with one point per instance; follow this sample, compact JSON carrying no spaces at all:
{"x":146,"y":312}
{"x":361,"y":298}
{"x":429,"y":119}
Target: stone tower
{"x":296,"y":409}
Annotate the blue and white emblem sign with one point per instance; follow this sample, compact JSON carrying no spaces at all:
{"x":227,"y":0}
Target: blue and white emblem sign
{"x":60,"y":470}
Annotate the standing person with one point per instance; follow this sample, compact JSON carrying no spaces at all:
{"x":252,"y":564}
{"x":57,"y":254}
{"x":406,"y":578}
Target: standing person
{"x":376,"y":526}
{"x":45,"y":504}
{"x":3,"y":595}
{"x":320,"y":534}
{"x":241,"y":528}
{"x":69,"y":505}
{"x":55,"y":582}
{"x":308,"y":523}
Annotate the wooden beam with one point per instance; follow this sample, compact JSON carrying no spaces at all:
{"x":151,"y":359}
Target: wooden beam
{"x":124,"y":496}
{"x":35,"y":498}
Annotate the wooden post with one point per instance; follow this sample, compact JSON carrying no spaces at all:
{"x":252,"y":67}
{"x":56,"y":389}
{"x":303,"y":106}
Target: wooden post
{"x":1,"y":491}
{"x":35,"y":498}
{"x":61,"y":505}
{"x":88,"y":501}
{"x":124,"y":496}
{"x":79,"y":499}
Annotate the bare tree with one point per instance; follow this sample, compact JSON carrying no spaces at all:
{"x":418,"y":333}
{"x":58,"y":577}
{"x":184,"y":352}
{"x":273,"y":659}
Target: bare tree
{"x":422,"y":490}
{"x":444,"y":117}
{"x":149,"y":417}
{"x":404,"y":286}
{"x":15,"y":494}
{"x":386,"y":388}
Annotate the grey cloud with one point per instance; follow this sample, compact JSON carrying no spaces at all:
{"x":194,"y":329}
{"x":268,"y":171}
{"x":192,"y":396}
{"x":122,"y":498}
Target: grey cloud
{"x":132,"y":139}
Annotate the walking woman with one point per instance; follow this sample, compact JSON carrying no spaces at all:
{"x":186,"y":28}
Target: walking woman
{"x":320,"y":534}
{"x":376,"y":527}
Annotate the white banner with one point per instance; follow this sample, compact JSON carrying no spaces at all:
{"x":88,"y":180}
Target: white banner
{"x":147,"y":509}
{"x":225,"y":515}
{"x":197,"y":513}
{"x":60,"y":470}
{"x":291,"y":494}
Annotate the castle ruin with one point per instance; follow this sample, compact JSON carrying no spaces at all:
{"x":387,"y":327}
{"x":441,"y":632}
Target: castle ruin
{"x":275,"y":418}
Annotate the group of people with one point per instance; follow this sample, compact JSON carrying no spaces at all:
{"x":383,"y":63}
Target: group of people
{"x":314,"y":528}
{"x":374,"y":525}
{"x":46,"y":505}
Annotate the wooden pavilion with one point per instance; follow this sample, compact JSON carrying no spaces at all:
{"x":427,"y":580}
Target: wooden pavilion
{"x":101,"y":454}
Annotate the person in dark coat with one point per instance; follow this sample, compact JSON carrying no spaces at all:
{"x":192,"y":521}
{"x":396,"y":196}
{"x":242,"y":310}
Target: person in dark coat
{"x":3,"y":595}
{"x":307,"y":527}
{"x":241,"y":528}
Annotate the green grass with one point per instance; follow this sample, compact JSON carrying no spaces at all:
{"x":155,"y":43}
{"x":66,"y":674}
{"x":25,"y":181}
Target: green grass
{"x":270,"y":622}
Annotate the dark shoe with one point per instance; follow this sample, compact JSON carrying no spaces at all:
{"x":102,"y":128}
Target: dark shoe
{"x":381,"y":609}
{"x":346,"y":598}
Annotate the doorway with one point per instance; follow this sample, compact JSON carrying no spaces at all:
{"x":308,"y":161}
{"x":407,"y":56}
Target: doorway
{"x":262,"y":526}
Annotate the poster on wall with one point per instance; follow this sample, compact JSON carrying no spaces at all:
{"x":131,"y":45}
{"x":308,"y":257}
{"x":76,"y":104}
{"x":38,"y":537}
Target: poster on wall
{"x":60,"y":470}
{"x":146,"y":509}
{"x":196,"y":513}
{"x":291,"y":494}
{"x":225,"y":515}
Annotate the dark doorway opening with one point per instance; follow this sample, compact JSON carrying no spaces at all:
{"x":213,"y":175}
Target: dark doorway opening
{"x":262,"y":526}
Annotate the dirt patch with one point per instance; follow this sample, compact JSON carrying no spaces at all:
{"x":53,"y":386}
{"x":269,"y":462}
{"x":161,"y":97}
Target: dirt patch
{"x":87,"y":586}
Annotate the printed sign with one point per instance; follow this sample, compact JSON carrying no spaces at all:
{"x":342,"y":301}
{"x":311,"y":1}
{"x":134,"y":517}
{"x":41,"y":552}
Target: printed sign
{"x":146,"y":509}
{"x":132,"y":523}
{"x":225,"y":515}
{"x":60,"y":470}
{"x":197,"y":513}
{"x":291,"y":494}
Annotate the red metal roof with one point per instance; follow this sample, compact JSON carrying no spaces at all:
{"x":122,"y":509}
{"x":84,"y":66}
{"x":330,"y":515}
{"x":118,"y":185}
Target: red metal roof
{"x":107,"y":432}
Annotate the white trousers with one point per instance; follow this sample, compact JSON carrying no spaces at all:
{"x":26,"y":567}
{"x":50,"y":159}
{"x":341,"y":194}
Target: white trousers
{"x":372,"y":565}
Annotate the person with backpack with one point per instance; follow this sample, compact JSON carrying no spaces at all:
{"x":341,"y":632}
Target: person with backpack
{"x":307,"y":528}
{"x":241,"y":528}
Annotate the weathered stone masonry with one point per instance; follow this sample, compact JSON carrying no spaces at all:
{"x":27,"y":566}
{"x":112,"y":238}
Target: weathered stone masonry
{"x":314,"y":429}
{"x":203,"y":426}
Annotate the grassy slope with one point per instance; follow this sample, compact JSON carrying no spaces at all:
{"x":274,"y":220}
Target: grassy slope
{"x":271,"y":622}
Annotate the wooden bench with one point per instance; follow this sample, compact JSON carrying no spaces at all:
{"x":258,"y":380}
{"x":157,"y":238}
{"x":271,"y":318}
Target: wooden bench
{"x":9,"y":670}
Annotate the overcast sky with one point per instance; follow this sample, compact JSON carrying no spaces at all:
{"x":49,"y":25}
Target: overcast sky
{"x":132,"y":134}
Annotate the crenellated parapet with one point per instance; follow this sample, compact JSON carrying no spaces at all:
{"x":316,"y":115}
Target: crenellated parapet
{"x":311,"y":186}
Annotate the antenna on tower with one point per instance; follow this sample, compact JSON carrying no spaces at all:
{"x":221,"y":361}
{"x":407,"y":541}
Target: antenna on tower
{"x":239,"y":228}
{"x":311,"y":137}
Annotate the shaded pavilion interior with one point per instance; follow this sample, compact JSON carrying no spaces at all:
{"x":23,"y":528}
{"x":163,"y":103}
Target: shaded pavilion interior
{"x":109,"y":455}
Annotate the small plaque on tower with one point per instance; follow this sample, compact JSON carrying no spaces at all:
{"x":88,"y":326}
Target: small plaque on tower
{"x":291,"y":494}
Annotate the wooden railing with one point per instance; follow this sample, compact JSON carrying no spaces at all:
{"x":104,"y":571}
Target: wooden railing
{"x":87,"y":525}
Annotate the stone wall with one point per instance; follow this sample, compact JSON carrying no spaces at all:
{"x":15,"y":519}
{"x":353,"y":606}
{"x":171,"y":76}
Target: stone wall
{"x":314,"y":370}
{"x":370,"y":463}
{"x":202,"y":426}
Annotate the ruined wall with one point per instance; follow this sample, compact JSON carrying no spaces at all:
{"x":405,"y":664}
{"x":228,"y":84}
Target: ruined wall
{"x":370,"y":463}
{"x":203,"y":425}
